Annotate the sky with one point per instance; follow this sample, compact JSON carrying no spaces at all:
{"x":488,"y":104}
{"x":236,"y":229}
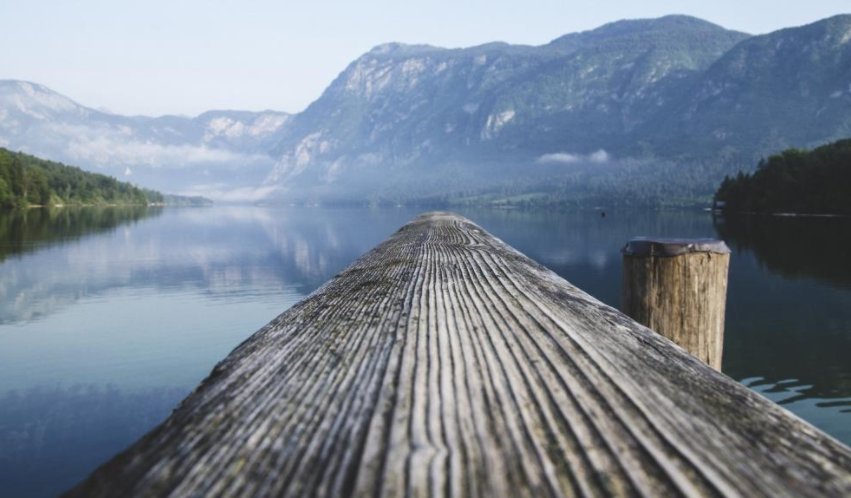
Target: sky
{"x":157,"y":57}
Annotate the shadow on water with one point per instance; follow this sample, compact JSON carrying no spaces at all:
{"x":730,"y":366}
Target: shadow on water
{"x":27,"y":230}
{"x":42,"y":426}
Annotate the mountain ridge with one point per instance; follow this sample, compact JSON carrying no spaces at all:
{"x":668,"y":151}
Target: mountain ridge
{"x":475,"y":98}
{"x":191,"y":155}
{"x":667,"y":105}
{"x":639,"y":90}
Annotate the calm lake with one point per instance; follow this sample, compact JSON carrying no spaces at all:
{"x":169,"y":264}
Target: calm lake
{"x":108,"y":317}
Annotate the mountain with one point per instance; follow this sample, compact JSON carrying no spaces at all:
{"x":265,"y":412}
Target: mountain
{"x":641,"y":111}
{"x":654,"y":109}
{"x":443,"y":113}
{"x":218,"y":153}
{"x":790,"y":88}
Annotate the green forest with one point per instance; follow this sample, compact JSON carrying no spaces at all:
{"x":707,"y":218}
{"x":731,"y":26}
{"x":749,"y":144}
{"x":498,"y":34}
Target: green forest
{"x":814,"y":181}
{"x":29,"y":181}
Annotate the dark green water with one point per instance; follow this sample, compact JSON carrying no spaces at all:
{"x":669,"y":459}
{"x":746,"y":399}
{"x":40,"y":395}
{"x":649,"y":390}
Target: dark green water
{"x":109,"y":317}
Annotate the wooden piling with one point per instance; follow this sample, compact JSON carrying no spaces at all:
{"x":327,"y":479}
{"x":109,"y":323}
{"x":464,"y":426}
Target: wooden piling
{"x":678,"y":287}
{"x":445,"y":363}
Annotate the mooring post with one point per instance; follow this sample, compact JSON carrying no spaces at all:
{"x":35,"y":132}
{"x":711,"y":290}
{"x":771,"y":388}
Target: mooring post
{"x":678,"y":287}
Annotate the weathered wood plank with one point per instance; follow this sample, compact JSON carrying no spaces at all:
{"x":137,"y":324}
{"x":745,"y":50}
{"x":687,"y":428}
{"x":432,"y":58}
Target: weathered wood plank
{"x":445,"y":363}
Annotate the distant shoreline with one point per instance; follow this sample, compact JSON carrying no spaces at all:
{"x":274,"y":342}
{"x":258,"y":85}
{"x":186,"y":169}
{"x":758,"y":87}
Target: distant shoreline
{"x":783,"y":214}
{"x":58,"y":206}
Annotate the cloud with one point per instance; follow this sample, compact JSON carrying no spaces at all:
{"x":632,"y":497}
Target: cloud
{"x":599,"y":157}
{"x":108,"y":146}
{"x":220,"y":192}
{"x":559,"y":158}
{"x":104,"y":151}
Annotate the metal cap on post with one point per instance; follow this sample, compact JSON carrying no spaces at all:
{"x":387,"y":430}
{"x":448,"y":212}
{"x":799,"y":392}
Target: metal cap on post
{"x":678,"y":287}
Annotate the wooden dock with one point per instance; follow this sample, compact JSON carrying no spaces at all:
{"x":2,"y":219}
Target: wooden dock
{"x":445,"y":363}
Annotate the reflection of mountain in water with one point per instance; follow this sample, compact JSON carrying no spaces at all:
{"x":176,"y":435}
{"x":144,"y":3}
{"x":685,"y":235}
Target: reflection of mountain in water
{"x":794,"y":247}
{"x":42,"y":426}
{"x":231,"y":252}
{"x":246,"y":252}
{"x":30,"y":229}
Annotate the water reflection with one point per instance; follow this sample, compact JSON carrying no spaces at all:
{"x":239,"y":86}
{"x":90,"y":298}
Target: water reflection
{"x":584,"y":247}
{"x":231,"y":253}
{"x":789,"y":328}
{"x":779,"y":329}
{"x":829,"y":414}
{"x":41,"y":426}
{"x":30,"y":229}
{"x":141,"y":313}
{"x":795,"y":247}
{"x":787,"y":337}
{"x":138,"y":311}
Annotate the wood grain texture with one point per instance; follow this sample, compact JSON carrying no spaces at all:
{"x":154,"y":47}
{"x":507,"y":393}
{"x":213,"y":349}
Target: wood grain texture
{"x":445,"y":363}
{"x":681,"y":296}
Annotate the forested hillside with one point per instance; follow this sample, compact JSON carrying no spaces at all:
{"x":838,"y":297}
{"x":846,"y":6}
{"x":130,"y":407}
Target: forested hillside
{"x":795,"y":181}
{"x":29,"y":181}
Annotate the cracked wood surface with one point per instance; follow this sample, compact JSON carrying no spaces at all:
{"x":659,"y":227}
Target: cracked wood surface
{"x":445,"y":363}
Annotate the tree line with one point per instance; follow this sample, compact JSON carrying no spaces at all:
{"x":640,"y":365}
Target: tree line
{"x":814,"y":181}
{"x":29,"y":181}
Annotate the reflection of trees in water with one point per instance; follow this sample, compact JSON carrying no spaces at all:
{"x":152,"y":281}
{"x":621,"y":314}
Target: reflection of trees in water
{"x":40,"y":427}
{"x":29,"y":229}
{"x":794,"y":247}
{"x":788,"y":306}
{"x":222,"y":252}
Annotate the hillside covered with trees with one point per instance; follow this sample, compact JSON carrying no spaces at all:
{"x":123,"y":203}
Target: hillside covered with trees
{"x":29,"y":181}
{"x":794,"y":181}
